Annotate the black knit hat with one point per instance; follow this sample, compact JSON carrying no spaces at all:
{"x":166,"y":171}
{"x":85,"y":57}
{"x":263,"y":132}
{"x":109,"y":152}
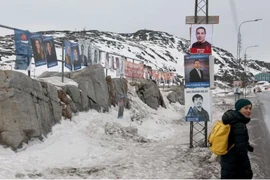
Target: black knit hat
{"x":241,"y":103}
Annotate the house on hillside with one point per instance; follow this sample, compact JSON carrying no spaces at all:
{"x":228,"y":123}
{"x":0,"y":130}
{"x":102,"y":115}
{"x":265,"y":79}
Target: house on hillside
{"x":265,"y":76}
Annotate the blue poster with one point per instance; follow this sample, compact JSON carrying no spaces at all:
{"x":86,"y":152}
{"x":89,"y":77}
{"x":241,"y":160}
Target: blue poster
{"x":23,"y":49}
{"x":197,"y":71}
{"x":50,"y":53}
{"x":38,"y":50}
{"x":68,"y":60}
{"x":75,"y":56}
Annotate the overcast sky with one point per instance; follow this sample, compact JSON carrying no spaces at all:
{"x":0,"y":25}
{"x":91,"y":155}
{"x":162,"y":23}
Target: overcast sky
{"x":127,"y":16}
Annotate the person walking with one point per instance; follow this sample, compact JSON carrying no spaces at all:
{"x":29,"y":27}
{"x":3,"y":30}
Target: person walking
{"x":236,"y":164}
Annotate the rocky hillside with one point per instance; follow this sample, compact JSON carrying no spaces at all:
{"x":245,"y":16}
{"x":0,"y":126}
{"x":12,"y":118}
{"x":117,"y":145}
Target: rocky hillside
{"x":160,"y":50}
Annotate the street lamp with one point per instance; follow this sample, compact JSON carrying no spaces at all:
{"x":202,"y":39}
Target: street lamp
{"x":239,"y":38}
{"x":239,"y":42}
{"x":245,"y":65}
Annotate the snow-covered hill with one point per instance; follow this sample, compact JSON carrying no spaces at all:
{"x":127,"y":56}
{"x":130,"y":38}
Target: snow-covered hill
{"x":160,"y":50}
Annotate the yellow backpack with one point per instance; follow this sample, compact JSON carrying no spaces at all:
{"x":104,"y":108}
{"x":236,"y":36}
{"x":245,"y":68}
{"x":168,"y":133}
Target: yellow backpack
{"x":219,"y":137}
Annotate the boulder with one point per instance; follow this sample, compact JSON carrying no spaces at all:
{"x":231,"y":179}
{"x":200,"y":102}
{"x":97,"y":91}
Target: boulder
{"x":91,"y":82}
{"x":177,"y":95}
{"x":116,"y":88}
{"x":149,"y":93}
{"x":28,"y":108}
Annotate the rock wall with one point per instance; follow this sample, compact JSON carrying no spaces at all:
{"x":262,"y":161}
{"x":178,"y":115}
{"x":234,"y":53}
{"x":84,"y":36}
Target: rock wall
{"x":28,"y":108}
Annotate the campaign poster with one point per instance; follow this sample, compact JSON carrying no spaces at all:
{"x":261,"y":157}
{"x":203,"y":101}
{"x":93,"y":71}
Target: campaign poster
{"x":198,"y":104}
{"x":68,"y":59}
{"x":237,"y":85}
{"x":121,"y":106}
{"x":83,"y":47}
{"x":197,"y":71}
{"x":23,"y":49}
{"x":38,"y":50}
{"x":50,"y":53}
{"x":89,"y":53}
{"x":75,"y":56}
{"x":112,"y":66}
{"x":107,"y":60}
{"x":117,"y":65}
{"x":102,"y":57}
{"x":201,"y":39}
{"x":122,"y":66}
{"x":95,"y":55}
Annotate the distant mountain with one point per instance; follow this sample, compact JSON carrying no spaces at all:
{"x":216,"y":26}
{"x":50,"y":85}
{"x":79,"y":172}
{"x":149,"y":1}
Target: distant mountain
{"x":160,"y":50}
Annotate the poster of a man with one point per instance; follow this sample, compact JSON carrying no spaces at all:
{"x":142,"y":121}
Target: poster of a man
{"x":68,"y":60}
{"x":89,"y":54}
{"x":197,"y":71}
{"x":112,"y":63}
{"x":122,"y":66}
{"x":83,"y":56}
{"x":96,"y":56}
{"x":117,"y":64}
{"x":50,"y":53}
{"x":107,"y":60}
{"x":198,"y":104}
{"x":39,"y":57}
{"x":201,"y":39}
{"x":196,"y":74}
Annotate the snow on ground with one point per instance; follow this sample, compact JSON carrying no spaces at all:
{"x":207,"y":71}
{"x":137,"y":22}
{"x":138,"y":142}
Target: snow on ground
{"x":98,"y":145}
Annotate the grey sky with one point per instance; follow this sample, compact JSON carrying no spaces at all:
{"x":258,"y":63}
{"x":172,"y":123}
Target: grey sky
{"x":131,"y":15}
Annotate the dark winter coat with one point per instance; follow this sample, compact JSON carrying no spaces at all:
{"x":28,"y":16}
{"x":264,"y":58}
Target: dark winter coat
{"x":236,"y":164}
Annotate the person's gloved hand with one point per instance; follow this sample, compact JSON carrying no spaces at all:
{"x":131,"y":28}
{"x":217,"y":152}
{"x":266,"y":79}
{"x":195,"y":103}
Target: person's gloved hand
{"x":250,"y":148}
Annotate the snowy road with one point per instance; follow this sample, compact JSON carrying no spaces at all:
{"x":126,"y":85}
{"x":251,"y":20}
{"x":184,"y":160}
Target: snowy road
{"x":259,"y":128}
{"x":81,"y":149}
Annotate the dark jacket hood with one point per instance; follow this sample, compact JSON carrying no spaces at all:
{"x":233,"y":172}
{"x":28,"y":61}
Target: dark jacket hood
{"x":232,"y":117}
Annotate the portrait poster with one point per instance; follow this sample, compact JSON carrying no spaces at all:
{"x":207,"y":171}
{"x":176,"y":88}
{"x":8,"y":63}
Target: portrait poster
{"x":23,"y":49}
{"x":198,"y":104}
{"x":122,"y":66}
{"x":89,"y":53}
{"x":107,"y":60}
{"x":75,"y":56}
{"x":68,"y":59}
{"x":83,"y":47}
{"x":197,"y":71}
{"x":201,"y":39}
{"x":50,"y":53}
{"x":237,"y":85}
{"x":102,"y":57}
{"x":38,"y":51}
{"x":117,"y":65}
{"x":112,"y":65}
{"x":95,"y":55}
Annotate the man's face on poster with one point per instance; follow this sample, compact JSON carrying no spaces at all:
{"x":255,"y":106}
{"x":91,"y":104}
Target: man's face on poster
{"x":197,"y":64}
{"x":200,"y":35}
{"x":198,"y":102}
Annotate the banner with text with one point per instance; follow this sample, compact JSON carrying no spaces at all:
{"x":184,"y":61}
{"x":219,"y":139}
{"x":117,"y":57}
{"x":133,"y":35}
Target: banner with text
{"x":23,"y":49}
